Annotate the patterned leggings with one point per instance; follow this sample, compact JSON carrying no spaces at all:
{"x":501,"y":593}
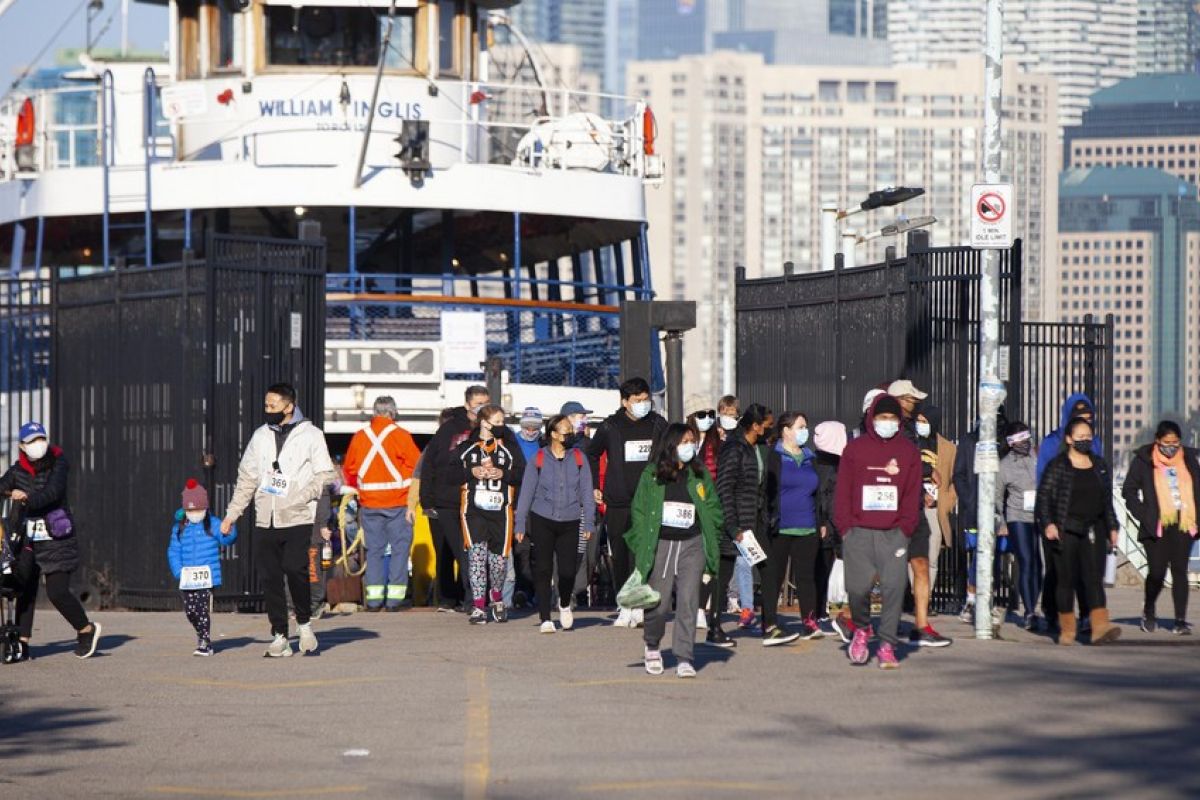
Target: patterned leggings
{"x":480,"y":563}
{"x":195,"y":604}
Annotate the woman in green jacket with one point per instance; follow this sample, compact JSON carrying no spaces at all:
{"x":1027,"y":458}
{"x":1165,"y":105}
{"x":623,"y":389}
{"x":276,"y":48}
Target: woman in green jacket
{"x":676,"y":518}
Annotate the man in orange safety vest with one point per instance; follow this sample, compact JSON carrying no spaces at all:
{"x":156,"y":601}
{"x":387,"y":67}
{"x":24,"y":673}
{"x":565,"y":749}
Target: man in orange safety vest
{"x":379,"y":465}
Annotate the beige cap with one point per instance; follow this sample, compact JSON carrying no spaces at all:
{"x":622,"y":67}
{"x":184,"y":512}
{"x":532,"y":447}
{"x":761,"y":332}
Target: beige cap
{"x":905,"y":388}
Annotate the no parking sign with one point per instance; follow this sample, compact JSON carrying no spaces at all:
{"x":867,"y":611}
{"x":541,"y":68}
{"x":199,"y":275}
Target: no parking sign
{"x":991,"y":216}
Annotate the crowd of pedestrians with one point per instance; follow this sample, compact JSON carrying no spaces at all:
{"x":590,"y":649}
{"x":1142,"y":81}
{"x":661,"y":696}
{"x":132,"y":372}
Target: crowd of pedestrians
{"x":686,"y":513}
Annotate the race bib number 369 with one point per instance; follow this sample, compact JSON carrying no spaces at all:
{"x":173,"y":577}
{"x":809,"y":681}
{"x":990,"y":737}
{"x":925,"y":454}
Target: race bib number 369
{"x":275,"y":483}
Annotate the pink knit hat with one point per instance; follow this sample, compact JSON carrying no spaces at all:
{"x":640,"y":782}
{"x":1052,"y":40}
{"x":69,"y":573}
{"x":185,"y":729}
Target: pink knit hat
{"x":830,"y":437}
{"x":195,"y":496}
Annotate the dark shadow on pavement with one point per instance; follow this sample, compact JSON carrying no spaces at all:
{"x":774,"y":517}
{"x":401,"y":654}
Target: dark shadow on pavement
{"x":337,"y":637}
{"x":107,"y":642}
{"x":36,"y":730}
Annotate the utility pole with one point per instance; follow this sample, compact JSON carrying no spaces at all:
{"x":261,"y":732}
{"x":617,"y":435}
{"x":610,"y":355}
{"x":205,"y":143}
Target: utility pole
{"x":991,"y":390}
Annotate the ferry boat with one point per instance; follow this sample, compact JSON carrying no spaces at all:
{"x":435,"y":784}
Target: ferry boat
{"x":465,"y":219}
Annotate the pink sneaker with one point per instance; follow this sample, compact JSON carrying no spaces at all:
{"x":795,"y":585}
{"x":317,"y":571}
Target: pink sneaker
{"x":887,"y":657}
{"x":859,"y":651}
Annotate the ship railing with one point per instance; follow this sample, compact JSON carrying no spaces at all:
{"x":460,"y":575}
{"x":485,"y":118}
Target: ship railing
{"x":543,"y":341}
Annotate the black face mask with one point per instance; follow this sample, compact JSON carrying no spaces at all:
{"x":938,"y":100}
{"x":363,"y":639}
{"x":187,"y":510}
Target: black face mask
{"x":1083,"y":446}
{"x":1168,"y":450}
{"x":275,"y":417}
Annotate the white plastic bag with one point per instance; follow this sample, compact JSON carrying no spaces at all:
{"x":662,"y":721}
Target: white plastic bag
{"x":636,"y":593}
{"x":1110,"y":569}
{"x":837,"y":584}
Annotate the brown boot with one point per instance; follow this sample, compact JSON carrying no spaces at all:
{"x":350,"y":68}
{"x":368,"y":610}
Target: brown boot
{"x":1066,"y":628}
{"x":1103,"y":631}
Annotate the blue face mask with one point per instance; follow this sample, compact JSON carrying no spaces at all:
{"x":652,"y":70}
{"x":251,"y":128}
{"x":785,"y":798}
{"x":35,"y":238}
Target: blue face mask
{"x":685,"y":452}
{"x":802,"y":437}
{"x":887,"y":428}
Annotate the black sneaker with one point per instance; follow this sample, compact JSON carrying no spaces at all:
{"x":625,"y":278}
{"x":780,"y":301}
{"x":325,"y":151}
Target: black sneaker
{"x":843,"y":627}
{"x":718,"y":638}
{"x":16,"y":651}
{"x":1149,"y":624}
{"x":478,"y":617}
{"x":774,"y":637}
{"x":499,"y":612}
{"x":1181,"y":628}
{"x":85,"y":643}
{"x":928,"y":637}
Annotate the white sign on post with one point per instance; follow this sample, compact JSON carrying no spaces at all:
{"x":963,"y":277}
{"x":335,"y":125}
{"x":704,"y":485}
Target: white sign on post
{"x":991,"y":216}
{"x":464,"y":342}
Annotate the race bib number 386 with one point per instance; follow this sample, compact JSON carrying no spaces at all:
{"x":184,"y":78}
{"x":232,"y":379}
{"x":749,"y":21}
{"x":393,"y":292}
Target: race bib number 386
{"x":679,"y":515}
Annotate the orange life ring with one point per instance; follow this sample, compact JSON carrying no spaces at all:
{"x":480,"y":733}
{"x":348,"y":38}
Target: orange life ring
{"x":649,"y":131}
{"x":25,"y":124}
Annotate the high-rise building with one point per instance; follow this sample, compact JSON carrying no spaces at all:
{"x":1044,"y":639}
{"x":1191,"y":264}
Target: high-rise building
{"x":1085,"y":44}
{"x":752,"y":149}
{"x":668,"y":29}
{"x":867,"y":18}
{"x":578,"y":22}
{"x":621,"y":40}
{"x":1147,"y":121}
{"x":1168,"y":36}
{"x":1129,"y":245}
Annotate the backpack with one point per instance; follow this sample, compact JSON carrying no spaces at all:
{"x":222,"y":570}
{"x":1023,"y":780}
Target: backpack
{"x":540,"y":459}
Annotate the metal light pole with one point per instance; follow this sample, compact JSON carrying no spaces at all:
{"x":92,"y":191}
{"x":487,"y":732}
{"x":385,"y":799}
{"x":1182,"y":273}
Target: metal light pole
{"x":849,"y":241}
{"x":831,"y":215}
{"x":829,"y":221}
{"x":991,"y":391}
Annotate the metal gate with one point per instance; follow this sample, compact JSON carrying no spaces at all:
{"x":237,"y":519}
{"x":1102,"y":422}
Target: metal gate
{"x":817,"y":342}
{"x":159,"y":375}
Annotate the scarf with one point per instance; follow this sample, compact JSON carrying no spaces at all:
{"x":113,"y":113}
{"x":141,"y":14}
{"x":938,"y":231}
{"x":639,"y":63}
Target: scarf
{"x":1176,"y":497}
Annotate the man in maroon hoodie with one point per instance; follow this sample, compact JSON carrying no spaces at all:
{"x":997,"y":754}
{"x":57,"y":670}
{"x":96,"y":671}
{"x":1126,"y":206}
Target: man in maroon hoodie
{"x":877,"y":505}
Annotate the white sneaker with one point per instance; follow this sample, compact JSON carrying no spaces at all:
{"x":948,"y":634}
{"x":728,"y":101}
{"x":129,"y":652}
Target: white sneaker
{"x":280,"y":647}
{"x":701,"y":620}
{"x":653,"y":662}
{"x":685,"y":670}
{"x":547,"y":627}
{"x":624,"y":619}
{"x":566,"y":618}
{"x":968,"y":613}
{"x":638,"y":619}
{"x":308,"y":639}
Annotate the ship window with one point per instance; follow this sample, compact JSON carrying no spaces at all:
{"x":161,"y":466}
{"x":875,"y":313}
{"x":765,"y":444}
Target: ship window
{"x":189,"y":39}
{"x":226,"y":39}
{"x":337,"y":37}
{"x":449,"y":36}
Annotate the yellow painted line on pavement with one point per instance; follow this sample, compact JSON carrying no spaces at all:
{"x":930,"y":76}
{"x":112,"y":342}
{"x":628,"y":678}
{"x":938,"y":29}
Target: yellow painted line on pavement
{"x":646,"y":681}
{"x":703,"y":786}
{"x":251,"y":686}
{"x":477,"y":752}
{"x":206,"y":791}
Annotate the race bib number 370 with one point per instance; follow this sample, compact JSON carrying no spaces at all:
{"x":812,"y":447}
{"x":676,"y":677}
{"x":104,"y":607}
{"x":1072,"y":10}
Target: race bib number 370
{"x":193,"y":578}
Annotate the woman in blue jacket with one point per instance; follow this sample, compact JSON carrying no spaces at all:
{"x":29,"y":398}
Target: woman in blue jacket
{"x":194,"y":554}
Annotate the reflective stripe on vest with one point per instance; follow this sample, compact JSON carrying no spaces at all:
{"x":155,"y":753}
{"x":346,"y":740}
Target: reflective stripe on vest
{"x":398,"y":481}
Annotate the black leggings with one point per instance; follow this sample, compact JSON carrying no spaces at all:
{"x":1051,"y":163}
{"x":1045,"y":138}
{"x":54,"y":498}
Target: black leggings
{"x":717,"y":589}
{"x":1078,"y":560}
{"x":802,"y":552}
{"x":196,"y":603}
{"x":616,"y":522}
{"x":282,"y":555}
{"x":1171,"y":551}
{"x":58,"y":589}
{"x":553,"y":540}
{"x":448,"y":551}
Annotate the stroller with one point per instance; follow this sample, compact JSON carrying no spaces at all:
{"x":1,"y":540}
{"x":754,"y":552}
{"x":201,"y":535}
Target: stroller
{"x":12,"y":543}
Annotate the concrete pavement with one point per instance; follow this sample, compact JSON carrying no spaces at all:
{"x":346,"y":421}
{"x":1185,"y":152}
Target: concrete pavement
{"x":423,"y":705}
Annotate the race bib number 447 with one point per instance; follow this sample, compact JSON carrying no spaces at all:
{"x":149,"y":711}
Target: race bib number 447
{"x":881,"y":498}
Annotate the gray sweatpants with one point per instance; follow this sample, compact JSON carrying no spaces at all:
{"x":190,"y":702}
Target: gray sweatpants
{"x":678,"y":567}
{"x":868,"y":553}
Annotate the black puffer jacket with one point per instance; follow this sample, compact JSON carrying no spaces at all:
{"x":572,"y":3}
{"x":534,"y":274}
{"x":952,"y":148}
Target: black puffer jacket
{"x":743,"y":498}
{"x":440,"y":468}
{"x":826,"y":465}
{"x":1141,"y":498}
{"x":45,"y":481}
{"x":1054,"y":496}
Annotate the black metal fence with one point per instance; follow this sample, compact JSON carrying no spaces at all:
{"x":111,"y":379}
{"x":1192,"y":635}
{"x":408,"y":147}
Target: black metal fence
{"x":159,"y":375}
{"x":817,"y":342}
{"x":25,"y":369}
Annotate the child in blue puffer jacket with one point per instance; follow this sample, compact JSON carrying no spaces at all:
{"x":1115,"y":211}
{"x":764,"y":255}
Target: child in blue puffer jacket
{"x":194,"y":554}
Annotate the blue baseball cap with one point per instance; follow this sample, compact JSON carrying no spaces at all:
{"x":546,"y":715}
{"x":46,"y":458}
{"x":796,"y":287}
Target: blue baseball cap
{"x":574,"y":407}
{"x":31,"y":431}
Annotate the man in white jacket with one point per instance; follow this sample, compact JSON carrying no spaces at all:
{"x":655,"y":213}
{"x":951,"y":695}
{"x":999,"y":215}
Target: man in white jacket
{"x":284,"y":470}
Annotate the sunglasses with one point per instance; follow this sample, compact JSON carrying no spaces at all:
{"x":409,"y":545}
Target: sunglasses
{"x":710,"y":414}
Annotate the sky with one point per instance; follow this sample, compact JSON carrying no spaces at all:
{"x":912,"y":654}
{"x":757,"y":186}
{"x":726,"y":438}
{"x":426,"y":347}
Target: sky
{"x":29,"y":24}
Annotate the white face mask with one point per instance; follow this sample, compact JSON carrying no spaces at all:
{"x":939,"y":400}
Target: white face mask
{"x":530,"y":435}
{"x":704,"y":424}
{"x":195,"y":516}
{"x":924,"y":429}
{"x":640,"y":410}
{"x":887,"y":428}
{"x":36,"y":450}
{"x":728,"y":423}
{"x":686,"y":452}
